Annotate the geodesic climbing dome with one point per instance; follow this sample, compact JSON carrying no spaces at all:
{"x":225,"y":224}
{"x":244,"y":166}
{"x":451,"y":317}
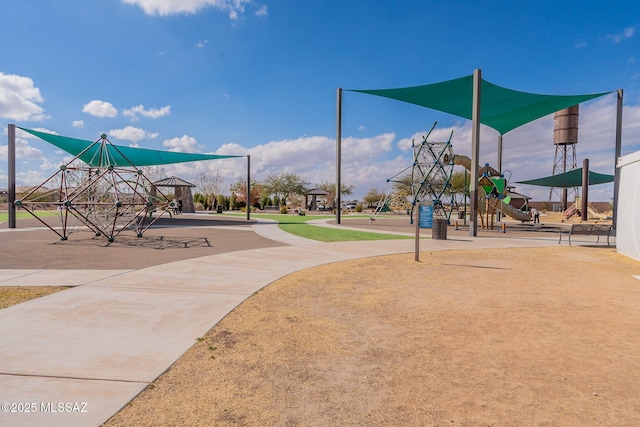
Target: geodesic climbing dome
{"x":106,"y":198}
{"x":429,"y":179}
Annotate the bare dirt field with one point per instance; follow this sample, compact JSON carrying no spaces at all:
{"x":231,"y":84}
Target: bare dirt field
{"x":540,"y":337}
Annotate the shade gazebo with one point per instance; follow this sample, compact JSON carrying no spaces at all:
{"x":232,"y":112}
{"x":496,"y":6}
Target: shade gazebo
{"x":314,"y":193}
{"x":182,"y":192}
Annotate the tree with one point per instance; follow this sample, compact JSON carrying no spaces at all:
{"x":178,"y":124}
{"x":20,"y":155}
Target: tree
{"x":345,"y":190}
{"x":404,"y":186}
{"x":460,"y":182}
{"x":239,"y":188}
{"x":373,"y":197}
{"x":199,"y":198}
{"x":284,"y":186}
{"x":209,"y":183}
{"x":223,"y":201}
{"x":154,"y":173}
{"x":265,"y":201}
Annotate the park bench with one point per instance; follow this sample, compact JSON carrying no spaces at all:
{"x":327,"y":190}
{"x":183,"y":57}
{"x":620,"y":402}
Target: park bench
{"x":271,"y":209}
{"x":588,"y":230}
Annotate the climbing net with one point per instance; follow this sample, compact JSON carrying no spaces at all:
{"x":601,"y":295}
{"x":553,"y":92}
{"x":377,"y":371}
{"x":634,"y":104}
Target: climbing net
{"x":428,"y":178}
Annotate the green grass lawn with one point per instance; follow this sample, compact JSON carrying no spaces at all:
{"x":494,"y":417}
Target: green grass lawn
{"x":296,"y":225}
{"x":4,"y":216}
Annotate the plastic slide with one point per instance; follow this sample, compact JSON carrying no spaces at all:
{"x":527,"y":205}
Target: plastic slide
{"x":514,"y":213}
{"x":507,"y":209}
{"x":595,"y":215}
{"x":464,"y":161}
{"x":570,"y":212}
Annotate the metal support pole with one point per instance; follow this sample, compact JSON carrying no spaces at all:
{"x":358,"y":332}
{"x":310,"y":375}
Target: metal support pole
{"x":585,"y":189}
{"x":338,"y":153}
{"x":475,"y":151}
{"x":11,"y":151}
{"x":417,"y":238}
{"x":248,"y":187}
{"x":466,"y":191}
{"x":618,"y":153}
{"x":500,"y":154}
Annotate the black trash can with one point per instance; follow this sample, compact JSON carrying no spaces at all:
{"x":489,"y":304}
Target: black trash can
{"x":439,"y":229}
{"x":219,"y":209}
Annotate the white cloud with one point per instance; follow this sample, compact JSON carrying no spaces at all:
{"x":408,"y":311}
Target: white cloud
{"x":152,"y":113}
{"x":23,"y":150}
{"x":172,"y":7}
{"x":627,"y":33}
{"x":131,"y":133}
{"x":19,"y":98}
{"x":30,"y":177}
{"x":184,"y":144}
{"x":100,"y":109}
{"x":439,"y":134}
{"x":201,"y":44}
{"x":312,"y":157}
{"x":581,"y":44}
{"x":48,"y":165}
{"x":77,"y":123}
{"x":262,"y":11}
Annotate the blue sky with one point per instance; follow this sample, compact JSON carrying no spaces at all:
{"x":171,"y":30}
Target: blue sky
{"x":260,"y":78}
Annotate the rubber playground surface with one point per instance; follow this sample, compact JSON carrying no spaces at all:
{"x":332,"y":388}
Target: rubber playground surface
{"x":186,"y":237}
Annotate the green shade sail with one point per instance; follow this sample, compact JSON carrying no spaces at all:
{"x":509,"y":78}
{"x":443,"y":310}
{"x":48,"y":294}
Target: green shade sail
{"x":103,"y":153}
{"x":569,"y":179}
{"x":501,"y":109}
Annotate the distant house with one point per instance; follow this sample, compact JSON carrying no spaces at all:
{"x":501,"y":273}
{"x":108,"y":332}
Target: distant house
{"x":518,"y":200}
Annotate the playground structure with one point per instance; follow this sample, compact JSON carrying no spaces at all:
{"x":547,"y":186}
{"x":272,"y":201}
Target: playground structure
{"x":494,"y":199}
{"x":492,"y":194}
{"x":105,"y":197}
{"x":574,"y":210}
{"x":429,"y":180}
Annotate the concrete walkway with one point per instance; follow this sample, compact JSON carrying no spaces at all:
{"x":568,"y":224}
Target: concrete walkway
{"x":75,"y":358}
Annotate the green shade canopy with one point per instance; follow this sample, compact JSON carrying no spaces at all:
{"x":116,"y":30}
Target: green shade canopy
{"x":501,"y":109}
{"x":104,"y":153}
{"x":569,"y":179}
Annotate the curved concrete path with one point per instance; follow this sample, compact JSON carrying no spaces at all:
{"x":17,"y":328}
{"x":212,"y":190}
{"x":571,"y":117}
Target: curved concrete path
{"x":77,"y":357}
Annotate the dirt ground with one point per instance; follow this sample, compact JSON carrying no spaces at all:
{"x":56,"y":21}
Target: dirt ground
{"x":540,"y":337}
{"x":543,"y":337}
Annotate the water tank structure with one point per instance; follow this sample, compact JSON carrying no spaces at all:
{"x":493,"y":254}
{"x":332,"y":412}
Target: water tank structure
{"x":565,"y":138}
